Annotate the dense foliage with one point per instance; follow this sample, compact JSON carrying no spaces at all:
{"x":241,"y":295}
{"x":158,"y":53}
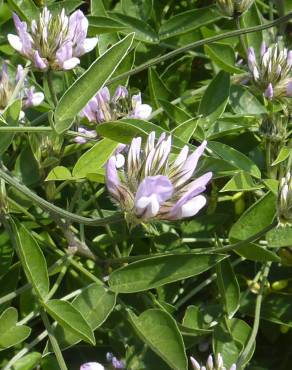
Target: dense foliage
{"x":145,"y":187}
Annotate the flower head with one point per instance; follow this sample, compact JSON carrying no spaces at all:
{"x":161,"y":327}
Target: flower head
{"x":53,"y":41}
{"x":26,"y":93}
{"x":234,"y":8}
{"x":151,"y":186}
{"x":285,"y":200}
{"x":271,"y":72}
{"x":102,"y":107}
{"x":211,"y":365}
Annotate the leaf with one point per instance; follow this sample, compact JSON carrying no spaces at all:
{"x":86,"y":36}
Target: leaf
{"x":255,"y":218}
{"x":89,"y":83}
{"x":223,"y":56}
{"x":94,"y":158}
{"x":188,"y":21}
{"x":95,"y":303}
{"x":280,"y":237}
{"x":186,"y":130}
{"x":8,"y":284}
{"x":99,"y":25}
{"x":241,"y":181}
{"x":250,"y":19}
{"x":282,"y":156}
{"x":235,"y":158}
{"x":32,"y":260}
{"x":175,"y":113}
{"x":11,"y":116}
{"x":194,"y":319}
{"x":160,"y":332}
{"x":59,"y":173}
{"x":6,"y":253}
{"x":153,"y":272}
{"x":70,"y":318}
{"x":28,"y":362}
{"x":242,"y":101}
{"x":11,"y":333}
{"x":68,"y":5}
{"x":157,"y":88}
{"x":143,"y":31}
{"x":216,"y":97}
{"x":25,"y":8}
{"x":256,"y":253}
{"x":27,"y":167}
{"x":228,"y":287}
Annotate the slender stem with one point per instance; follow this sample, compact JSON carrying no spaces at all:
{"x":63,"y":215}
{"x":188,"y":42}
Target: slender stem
{"x":196,"y":44}
{"x":54,"y":342}
{"x":241,"y":36}
{"x":59,"y":279}
{"x":47,"y":206}
{"x":255,"y":328}
{"x":51,"y":87}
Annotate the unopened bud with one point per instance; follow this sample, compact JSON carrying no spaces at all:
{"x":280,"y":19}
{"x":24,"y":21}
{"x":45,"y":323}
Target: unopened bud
{"x":234,"y":8}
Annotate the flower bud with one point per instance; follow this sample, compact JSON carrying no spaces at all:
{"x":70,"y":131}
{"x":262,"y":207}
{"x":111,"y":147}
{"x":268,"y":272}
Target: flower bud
{"x":210,"y":364}
{"x":234,"y":8}
{"x":285,"y":200}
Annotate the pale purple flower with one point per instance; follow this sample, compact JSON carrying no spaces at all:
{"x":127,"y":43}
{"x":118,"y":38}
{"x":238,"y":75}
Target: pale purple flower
{"x":151,"y":186}
{"x":53,"y":41}
{"x":117,"y":364}
{"x":271,"y":72}
{"x":102,"y":107}
{"x":92,"y":366}
{"x":91,"y":134}
{"x":234,"y":8}
{"x":26,"y":93}
{"x":211,"y":365}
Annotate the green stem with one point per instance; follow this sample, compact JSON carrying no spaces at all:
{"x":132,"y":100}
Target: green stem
{"x":241,"y":36}
{"x":255,"y":328}
{"x":47,"y":206}
{"x":51,"y":87}
{"x":59,"y":279}
{"x":196,"y":44}
{"x":54,"y":342}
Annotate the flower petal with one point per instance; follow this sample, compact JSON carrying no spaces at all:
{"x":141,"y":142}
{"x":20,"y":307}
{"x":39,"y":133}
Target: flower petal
{"x":15,"y":42}
{"x":92,"y":366}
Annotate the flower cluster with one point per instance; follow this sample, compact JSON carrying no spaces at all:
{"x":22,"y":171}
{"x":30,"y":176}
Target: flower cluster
{"x":53,"y":41}
{"x":271,"y":74}
{"x":102,"y":107}
{"x":285,"y":200}
{"x":148,"y":185}
{"x":210,"y":365}
{"x":25,"y":92}
{"x":234,"y":8}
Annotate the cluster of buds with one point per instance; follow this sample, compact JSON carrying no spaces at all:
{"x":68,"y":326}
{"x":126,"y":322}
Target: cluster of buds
{"x":210,"y":365}
{"x":271,"y":73}
{"x":285,"y":200}
{"x":102,"y":107}
{"x":234,"y":8}
{"x":111,"y":359}
{"x":147,"y":186}
{"x":53,"y":41}
{"x":8,"y":86}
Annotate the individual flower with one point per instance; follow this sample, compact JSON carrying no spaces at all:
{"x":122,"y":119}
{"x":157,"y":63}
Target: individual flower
{"x":285,"y":200}
{"x":89,"y":133}
{"x":271,"y":72}
{"x":92,"y":366}
{"x":234,"y":8}
{"x":152,"y":186}
{"x":211,"y":365}
{"x":102,"y":107}
{"x":117,"y":364}
{"x":25,"y":92}
{"x":53,"y":41}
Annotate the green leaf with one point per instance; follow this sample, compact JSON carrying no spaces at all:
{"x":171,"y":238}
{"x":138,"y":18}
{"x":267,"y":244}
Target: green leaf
{"x":99,"y":25}
{"x":143,"y":31}
{"x":70,"y":318}
{"x":186,"y":130}
{"x":228,"y":287}
{"x":97,"y":8}
{"x":6,"y":253}
{"x":89,"y":83}
{"x":25,"y":8}
{"x":160,"y":332}
{"x":216,"y":97}
{"x":223,"y":56}
{"x":59,"y":173}
{"x":32,"y":260}
{"x":157,"y":88}
{"x":11,"y":333}
{"x":250,"y":19}
{"x":27,"y":167}
{"x":28,"y":362}
{"x":242,"y":101}
{"x":95,"y":303}
{"x":175,"y":113}
{"x":194,"y":319}
{"x":255,"y":218}
{"x":188,"y":21}
{"x":153,"y":272}
{"x":280,"y":237}
{"x":94,"y":158}
{"x":254,"y":252}
{"x":11,"y":117}
{"x":241,"y":181}
{"x":68,"y":5}
{"x":235,"y":158}
{"x":282,"y":156}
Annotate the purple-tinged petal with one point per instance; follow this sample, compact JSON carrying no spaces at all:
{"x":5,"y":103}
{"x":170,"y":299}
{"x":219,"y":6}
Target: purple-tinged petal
{"x":88,"y":45}
{"x":64,"y":57}
{"x":117,"y":364}
{"x":289,"y":89}
{"x":134,"y":155}
{"x":150,"y":144}
{"x":92,"y":366}
{"x":289,"y":58}
{"x":269,"y":93}
{"x":112,"y":177}
{"x":256,"y":74}
{"x":152,"y":191}
{"x":80,"y":140}
{"x":181,"y":158}
{"x":195,"y":364}
{"x":251,"y":58}
{"x":103,"y":95}
{"x":39,"y":62}
{"x":210,"y":362}
{"x":70,"y":63}
{"x":263,"y":48}
{"x":19,"y":73}
{"x":120,"y":93}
